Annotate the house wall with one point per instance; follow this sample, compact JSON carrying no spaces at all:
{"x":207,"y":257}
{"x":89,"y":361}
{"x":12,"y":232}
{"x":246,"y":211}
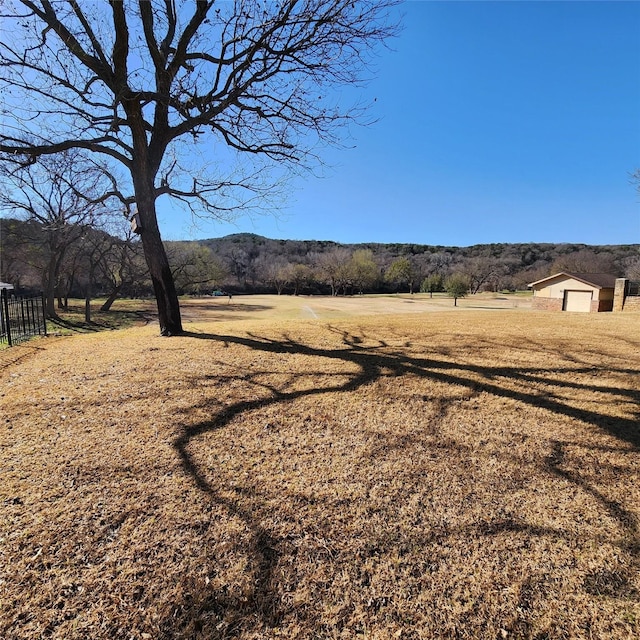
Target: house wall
{"x":601,"y":305}
{"x":557,"y":287}
{"x":632,"y":303}
{"x":606,"y":294}
{"x":546,"y":304}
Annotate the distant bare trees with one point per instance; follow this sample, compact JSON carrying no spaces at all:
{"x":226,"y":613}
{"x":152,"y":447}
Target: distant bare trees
{"x":59,"y":195}
{"x":276,"y":272}
{"x":632,"y":268}
{"x":123,"y":269}
{"x":250,"y":263}
{"x":332,"y":268}
{"x":346,"y":271}
{"x":583,"y":261}
{"x":482,"y":272}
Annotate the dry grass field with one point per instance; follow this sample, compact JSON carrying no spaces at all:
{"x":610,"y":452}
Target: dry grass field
{"x":274,"y":473}
{"x":332,"y":308}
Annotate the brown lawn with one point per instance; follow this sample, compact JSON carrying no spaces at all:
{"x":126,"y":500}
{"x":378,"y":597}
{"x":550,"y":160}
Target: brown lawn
{"x":332,"y":308}
{"x":462,"y":474}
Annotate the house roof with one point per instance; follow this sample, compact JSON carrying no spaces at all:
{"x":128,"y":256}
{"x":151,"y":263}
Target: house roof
{"x":598,"y":280}
{"x":5,"y":285}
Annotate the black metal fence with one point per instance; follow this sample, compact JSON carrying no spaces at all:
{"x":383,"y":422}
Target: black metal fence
{"x":633,"y":288}
{"x":21,"y":318}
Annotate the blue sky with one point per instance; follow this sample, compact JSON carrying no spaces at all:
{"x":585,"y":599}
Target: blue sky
{"x":497,"y":122}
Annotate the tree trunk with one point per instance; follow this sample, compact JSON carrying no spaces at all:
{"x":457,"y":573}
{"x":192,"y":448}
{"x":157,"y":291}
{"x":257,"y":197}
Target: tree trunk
{"x":50,"y":300}
{"x":143,"y":172}
{"x":49,"y":288}
{"x":111,"y":299}
{"x":159,"y":270}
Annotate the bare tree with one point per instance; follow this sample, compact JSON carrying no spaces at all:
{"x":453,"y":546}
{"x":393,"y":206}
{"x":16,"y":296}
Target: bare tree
{"x":333,"y":268}
{"x":56,"y":194}
{"x":275,"y":272}
{"x":140,"y":83}
{"x":584,"y":261}
{"x":122,"y":267}
{"x":481,"y":271}
{"x":300,"y":275}
{"x":92,"y":250}
{"x":195,"y":268}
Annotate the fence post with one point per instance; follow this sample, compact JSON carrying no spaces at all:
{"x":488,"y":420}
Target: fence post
{"x":5,"y":305}
{"x":44,"y":314}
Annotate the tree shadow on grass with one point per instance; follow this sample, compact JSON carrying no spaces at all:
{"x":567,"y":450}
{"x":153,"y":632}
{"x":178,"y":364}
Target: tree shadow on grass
{"x":225,"y":306}
{"x":372,"y":361}
{"x":368,"y":361}
{"x":102,"y":321}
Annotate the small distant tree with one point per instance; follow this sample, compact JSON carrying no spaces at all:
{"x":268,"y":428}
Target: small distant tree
{"x":399,"y":272}
{"x":332,"y":268}
{"x":457,"y":286}
{"x":432,"y":284}
{"x":364,"y":270}
{"x":300,"y":275}
{"x":276,"y":273}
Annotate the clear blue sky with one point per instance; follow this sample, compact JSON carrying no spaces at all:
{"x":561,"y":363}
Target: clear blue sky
{"x":498,"y":122}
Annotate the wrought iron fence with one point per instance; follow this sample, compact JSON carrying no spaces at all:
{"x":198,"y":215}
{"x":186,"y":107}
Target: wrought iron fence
{"x":633,"y":288}
{"x":21,"y":318}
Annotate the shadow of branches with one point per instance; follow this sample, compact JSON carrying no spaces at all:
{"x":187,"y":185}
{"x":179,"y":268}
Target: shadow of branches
{"x":367,"y":360}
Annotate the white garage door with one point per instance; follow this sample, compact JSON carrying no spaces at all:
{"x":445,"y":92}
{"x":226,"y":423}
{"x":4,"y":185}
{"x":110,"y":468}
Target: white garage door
{"x":577,"y":300}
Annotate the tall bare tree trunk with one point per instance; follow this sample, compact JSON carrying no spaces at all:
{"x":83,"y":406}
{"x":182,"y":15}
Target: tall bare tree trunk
{"x":163,"y":285}
{"x":143,"y":172}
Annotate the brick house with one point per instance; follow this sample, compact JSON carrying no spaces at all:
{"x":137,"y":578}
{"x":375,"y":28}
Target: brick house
{"x":587,"y":292}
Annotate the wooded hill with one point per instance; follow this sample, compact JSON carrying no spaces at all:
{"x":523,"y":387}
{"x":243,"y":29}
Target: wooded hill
{"x":87,"y":262}
{"x":253,"y":261}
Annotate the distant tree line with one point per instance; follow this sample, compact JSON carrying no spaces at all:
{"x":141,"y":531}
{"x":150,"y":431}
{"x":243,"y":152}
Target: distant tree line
{"x":77,"y":258}
{"x":254,"y":263}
